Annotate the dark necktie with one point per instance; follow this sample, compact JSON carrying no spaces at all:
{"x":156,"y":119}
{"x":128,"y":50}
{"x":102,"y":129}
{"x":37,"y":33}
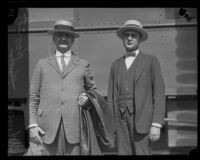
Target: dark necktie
{"x":131,"y":54}
{"x":63,"y":63}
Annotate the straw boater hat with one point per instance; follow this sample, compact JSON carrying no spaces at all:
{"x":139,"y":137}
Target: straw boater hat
{"x":135,"y":26}
{"x":64,"y":26}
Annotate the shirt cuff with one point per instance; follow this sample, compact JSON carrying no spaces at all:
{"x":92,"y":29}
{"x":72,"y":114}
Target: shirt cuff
{"x":32,"y":125}
{"x":157,"y":125}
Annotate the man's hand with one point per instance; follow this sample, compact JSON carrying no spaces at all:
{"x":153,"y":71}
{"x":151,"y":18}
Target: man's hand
{"x":154,"y":134}
{"x":83,"y":99}
{"x":34,"y":134}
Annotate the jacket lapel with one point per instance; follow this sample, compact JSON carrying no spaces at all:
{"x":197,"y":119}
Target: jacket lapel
{"x":139,"y":66}
{"x":53,"y":62}
{"x":118,"y":70}
{"x":74,"y":62}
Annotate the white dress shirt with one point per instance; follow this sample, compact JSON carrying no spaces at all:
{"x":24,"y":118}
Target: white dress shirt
{"x":130,"y":59}
{"x":66,"y":58}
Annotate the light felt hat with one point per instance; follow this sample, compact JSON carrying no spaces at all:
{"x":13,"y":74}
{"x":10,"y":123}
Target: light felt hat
{"x":64,"y":26}
{"x":135,"y":26}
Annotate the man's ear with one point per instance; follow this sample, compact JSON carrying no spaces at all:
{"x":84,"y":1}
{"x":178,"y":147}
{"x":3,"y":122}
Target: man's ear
{"x":73,"y":39}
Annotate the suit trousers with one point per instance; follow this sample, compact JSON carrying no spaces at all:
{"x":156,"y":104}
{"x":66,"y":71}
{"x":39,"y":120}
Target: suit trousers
{"x":129,"y":142}
{"x":60,"y":146}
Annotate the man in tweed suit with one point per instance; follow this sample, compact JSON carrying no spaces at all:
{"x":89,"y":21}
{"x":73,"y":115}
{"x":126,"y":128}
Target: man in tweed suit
{"x":56,"y":92}
{"x":136,"y":93}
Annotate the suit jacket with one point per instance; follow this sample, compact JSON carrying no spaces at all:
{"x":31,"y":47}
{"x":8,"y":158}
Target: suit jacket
{"x":54,"y":95}
{"x":149,"y":91}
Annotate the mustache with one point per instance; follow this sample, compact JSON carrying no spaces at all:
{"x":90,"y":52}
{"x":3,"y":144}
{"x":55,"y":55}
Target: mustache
{"x":131,"y":42}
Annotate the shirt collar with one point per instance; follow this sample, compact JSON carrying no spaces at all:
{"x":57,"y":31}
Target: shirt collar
{"x":67,"y":54}
{"x":137,"y":52}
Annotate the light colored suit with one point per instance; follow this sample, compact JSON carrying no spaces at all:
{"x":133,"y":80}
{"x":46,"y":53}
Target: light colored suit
{"x":54,"y":94}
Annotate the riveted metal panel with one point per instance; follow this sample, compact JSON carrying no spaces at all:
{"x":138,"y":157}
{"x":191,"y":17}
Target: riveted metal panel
{"x":172,"y":14}
{"x":50,"y":14}
{"x":44,"y":18}
{"x":115,"y":17}
{"x":106,"y":17}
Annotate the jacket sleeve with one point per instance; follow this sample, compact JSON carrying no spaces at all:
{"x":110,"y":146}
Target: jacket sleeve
{"x":158,"y":93}
{"x":34,"y":95}
{"x":89,"y":82}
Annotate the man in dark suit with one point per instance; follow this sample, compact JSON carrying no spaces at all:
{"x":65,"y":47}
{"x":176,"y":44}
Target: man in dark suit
{"x":57,"y":89}
{"x":136,"y":93}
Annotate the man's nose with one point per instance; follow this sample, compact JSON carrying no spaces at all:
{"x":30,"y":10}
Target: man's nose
{"x":63,"y":38}
{"x":130,"y":37}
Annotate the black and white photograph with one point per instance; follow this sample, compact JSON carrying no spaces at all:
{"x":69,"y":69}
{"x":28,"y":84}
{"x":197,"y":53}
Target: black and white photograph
{"x":102,"y":81}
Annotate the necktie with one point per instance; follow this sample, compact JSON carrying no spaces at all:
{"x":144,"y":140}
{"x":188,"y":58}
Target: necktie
{"x":131,"y":54}
{"x":63,"y":63}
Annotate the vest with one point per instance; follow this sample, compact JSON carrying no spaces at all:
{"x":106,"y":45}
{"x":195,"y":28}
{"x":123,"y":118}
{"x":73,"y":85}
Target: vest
{"x":126,"y":88}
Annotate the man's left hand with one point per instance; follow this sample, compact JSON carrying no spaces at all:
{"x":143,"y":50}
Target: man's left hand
{"x":154,"y":134}
{"x":83,"y":99}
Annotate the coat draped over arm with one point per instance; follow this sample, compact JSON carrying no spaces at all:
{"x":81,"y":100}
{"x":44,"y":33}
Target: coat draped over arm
{"x":96,"y":126}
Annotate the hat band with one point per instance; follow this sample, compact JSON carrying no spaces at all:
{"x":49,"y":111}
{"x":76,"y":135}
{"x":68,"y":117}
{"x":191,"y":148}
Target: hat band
{"x":133,"y":25}
{"x":63,"y":27}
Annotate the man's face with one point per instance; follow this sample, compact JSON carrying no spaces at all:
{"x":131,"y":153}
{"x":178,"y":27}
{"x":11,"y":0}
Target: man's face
{"x":63,"y":41}
{"x":131,"y":40}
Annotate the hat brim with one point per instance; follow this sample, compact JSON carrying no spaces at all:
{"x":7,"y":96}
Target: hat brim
{"x":144,"y":34}
{"x":51,"y":32}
